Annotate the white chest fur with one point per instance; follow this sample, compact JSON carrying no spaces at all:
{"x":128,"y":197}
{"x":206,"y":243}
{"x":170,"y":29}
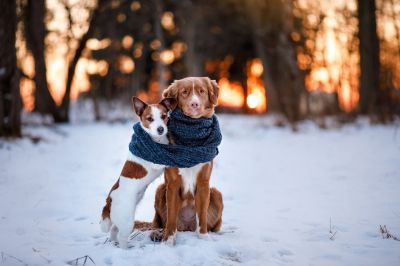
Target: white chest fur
{"x":189,"y":177}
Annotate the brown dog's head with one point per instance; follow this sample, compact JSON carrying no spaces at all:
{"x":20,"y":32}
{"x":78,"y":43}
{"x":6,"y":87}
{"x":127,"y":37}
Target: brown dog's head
{"x":197,"y":96}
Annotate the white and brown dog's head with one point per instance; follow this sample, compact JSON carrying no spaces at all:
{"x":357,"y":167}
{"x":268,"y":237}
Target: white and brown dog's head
{"x":154,"y":117}
{"x":197,"y":96}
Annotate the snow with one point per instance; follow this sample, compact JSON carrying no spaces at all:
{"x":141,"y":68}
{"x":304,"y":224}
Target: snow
{"x":283,"y":193}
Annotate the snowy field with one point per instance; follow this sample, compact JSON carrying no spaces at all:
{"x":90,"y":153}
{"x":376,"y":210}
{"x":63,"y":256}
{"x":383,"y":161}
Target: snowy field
{"x":314,"y":197}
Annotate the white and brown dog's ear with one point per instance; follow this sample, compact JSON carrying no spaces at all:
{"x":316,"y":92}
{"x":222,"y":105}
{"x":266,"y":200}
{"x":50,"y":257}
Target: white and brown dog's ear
{"x":138,"y":105}
{"x":171,"y":91}
{"x":213,"y":92}
{"x":169,"y":103}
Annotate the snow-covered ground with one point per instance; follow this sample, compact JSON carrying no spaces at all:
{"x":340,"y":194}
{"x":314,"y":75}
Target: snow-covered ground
{"x":314,"y":197}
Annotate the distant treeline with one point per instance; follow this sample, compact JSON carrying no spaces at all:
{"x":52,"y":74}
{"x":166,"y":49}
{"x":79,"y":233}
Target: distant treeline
{"x":144,"y":45}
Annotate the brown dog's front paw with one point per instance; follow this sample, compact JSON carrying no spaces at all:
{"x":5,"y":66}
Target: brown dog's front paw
{"x":156,"y":235}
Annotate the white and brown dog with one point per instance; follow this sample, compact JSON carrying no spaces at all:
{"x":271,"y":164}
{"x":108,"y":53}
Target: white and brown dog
{"x":119,"y":212}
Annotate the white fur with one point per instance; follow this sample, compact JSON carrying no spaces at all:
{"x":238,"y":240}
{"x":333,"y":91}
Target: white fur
{"x":189,"y":180}
{"x":157,"y":122}
{"x":130,"y":190}
{"x":195,"y":98}
{"x":171,"y":240}
{"x":105,"y":225}
{"x":189,"y":177}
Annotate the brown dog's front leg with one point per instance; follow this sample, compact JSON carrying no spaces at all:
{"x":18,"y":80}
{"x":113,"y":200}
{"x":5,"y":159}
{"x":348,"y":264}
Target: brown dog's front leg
{"x":202,"y":198}
{"x":174,"y":202}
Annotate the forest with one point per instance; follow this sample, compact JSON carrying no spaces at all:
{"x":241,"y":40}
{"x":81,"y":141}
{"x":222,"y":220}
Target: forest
{"x":305,"y":138}
{"x":298,"y":59}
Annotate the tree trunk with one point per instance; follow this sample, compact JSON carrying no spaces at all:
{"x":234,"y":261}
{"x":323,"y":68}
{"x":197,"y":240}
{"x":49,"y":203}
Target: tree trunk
{"x":64,"y":107}
{"x":270,"y":22}
{"x":35,"y":32}
{"x":274,"y":104}
{"x":190,"y":12}
{"x":161,"y":67}
{"x":10,"y":102}
{"x":369,"y":55}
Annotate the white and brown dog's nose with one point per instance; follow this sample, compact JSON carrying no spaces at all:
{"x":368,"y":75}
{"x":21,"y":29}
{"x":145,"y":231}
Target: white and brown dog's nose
{"x":160,"y":130}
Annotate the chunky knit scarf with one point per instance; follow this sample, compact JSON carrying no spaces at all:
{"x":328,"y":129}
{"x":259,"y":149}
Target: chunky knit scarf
{"x":196,"y":141}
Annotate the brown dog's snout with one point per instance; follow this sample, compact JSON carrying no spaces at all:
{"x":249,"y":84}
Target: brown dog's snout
{"x":194,"y":105}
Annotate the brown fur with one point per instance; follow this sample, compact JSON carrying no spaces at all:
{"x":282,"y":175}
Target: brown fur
{"x":205,"y":88}
{"x":106,"y":209}
{"x":146,"y":117}
{"x":175,"y":210}
{"x":214,"y":214}
{"x":133,"y":170}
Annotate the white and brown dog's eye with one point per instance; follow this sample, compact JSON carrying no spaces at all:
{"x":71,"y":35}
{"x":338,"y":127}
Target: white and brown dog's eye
{"x":163,"y":116}
{"x":150,"y":119}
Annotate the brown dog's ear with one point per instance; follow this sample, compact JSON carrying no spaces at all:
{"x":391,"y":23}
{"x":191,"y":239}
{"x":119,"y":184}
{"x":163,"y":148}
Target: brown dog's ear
{"x":213,"y":92}
{"x":169,"y":103}
{"x":171,"y":91}
{"x":138,"y":105}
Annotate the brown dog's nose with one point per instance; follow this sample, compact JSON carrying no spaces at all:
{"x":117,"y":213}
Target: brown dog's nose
{"x":194,"y":105}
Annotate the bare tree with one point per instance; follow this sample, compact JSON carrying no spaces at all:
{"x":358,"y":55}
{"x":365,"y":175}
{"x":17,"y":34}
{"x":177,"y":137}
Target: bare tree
{"x":369,"y":55}
{"x":270,"y":22}
{"x":10,"y":104}
{"x":64,"y":108}
{"x":35,"y":32}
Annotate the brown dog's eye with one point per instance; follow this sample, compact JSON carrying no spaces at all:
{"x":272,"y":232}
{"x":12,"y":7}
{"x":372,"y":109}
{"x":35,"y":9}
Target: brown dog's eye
{"x":202,"y":91}
{"x":150,"y":119}
{"x":185,"y":92}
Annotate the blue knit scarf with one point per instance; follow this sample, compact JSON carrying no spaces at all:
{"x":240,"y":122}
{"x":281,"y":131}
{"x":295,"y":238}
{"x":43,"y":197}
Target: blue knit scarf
{"x":196,"y":141}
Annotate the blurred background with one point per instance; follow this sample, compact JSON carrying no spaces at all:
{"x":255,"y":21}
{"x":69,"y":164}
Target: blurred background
{"x":309,"y":108}
{"x":300,"y":59}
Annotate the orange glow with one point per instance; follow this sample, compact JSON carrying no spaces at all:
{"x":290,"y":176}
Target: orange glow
{"x":167,"y":57}
{"x":127,"y":42}
{"x":231,"y":94}
{"x":179,"y":48}
{"x":137,"y":53}
{"x":95,"y":44}
{"x":126,"y":64}
{"x":81,"y":80}
{"x":167,"y":21}
{"x":155,"y":44}
{"x":256,"y":68}
{"x":56,"y":77}
{"x":27,"y":89}
{"x":252,"y":100}
{"x":152,"y":95}
{"x":135,"y":6}
{"x":256,"y":92}
{"x":256,"y":99}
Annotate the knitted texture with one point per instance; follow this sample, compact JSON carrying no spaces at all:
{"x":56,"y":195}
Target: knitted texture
{"x":196,"y":141}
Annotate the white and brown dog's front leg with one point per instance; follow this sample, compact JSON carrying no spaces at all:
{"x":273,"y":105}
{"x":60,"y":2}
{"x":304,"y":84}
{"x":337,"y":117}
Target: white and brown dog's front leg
{"x":123,"y":209}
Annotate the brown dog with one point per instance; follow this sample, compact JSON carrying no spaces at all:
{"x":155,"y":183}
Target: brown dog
{"x":185,"y":202}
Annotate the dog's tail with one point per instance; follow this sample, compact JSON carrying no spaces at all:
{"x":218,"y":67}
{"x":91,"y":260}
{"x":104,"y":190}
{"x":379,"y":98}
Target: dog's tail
{"x":105,"y":222}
